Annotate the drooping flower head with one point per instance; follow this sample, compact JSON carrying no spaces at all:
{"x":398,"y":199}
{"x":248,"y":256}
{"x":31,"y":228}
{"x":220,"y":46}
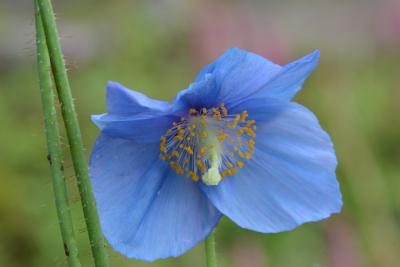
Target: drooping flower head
{"x":231,"y":144}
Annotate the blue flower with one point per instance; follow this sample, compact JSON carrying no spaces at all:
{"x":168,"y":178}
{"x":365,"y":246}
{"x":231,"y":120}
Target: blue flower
{"x":231,"y":144}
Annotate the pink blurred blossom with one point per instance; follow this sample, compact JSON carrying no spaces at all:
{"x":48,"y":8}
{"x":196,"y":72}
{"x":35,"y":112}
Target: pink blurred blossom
{"x":214,"y":28}
{"x":342,"y":244}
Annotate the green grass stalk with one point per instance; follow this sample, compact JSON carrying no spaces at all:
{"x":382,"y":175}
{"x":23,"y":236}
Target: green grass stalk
{"x":54,"y":147}
{"x":73,"y":133}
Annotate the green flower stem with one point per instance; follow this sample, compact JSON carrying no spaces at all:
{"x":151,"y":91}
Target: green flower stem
{"x":54,"y":147}
{"x":73,"y":134}
{"x":211,"y":254}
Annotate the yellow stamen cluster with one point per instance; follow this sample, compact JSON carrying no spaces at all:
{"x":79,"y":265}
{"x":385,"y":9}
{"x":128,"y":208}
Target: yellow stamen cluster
{"x":209,"y":144}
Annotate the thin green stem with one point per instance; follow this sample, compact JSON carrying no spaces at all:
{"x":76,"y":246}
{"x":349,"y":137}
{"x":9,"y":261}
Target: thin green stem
{"x":211,"y":254}
{"x":73,"y":133}
{"x":54,"y":147}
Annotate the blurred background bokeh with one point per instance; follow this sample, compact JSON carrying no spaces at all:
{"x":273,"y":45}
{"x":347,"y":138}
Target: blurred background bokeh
{"x":157,"y":47}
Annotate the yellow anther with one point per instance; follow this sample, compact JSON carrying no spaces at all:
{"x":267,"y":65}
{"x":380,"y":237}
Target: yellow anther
{"x":189,"y":150}
{"x":241,"y":154}
{"x":231,"y":154}
{"x":222,"y":136}
{"x":192,"y":134}
{"x":204,"y":111}
{"x":231,"y":171}
{"x":163,"y":148}
{"x":188,"y":138}
{"x":235,"y":122}
{"x":201,"y":166}
{"x":182,"y":119}
{"x":249,"y":131}
{"x":179,"y":170}
{"x":169,"y":131}
{"x":203,"y":134}
{"x":175,"y":154}
{"x":203,"y":120}
{"x":163,"y":139}
{"x":240,"y":164}
{"x":217,"y":114}
{"x":192,"y":175}
{"x":230,"y":165}
{"x":185,"y":160}
{"x":181,"y":145}
{"x":247,"y":155}
{"x":203,"y":150}
{"x":243,"y":116}
{"x":174,"y":124}
{"x":224,"y":110}
{"x":250,"y":122}
{"x":192,"y":111}
{"x":178,"y":137}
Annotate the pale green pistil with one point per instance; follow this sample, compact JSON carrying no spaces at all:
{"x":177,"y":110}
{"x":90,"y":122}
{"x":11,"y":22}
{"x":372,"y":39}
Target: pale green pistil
{"x":213,"y":176}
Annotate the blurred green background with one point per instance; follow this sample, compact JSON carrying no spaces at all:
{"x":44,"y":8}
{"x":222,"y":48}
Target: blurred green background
{"x":157,"y":47}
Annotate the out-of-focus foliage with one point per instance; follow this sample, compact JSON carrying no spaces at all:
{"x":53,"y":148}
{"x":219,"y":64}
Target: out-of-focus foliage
{"x":157,"y":47}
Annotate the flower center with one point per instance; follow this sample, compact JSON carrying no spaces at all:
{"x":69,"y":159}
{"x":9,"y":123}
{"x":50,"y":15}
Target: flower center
{"x":209,"y":143}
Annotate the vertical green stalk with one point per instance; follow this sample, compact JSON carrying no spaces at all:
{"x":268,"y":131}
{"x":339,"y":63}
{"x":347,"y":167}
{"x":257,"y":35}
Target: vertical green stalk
{"x":73,"y":133}
{"x":54,"y":147}
{"x":211,"y":254}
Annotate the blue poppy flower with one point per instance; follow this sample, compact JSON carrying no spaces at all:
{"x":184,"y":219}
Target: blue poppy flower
{"x":230,"y":144}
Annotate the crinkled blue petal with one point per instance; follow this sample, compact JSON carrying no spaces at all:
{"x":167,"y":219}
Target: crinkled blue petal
{"x":236,"y":73}
{"x":199,"y":94}
{"x":288,"y":81}
{"x":132,"y":115}
{"x":289,"y":180}
{"x":146,"y":211}
{"x":240,"y":75}
{"x":143,"y":128}
{"x":124,"y":102}
{"x":260,"y":109}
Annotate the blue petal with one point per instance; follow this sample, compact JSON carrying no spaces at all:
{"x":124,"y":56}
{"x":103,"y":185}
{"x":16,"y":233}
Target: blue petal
{"x":236,"y":72}
{"x":146,"y":211}
{"x":199,"y":94}
{"x":240,"y":75}
{"x":288,"y":81}
{"x":142,"y":128}
{"x":289,"y":180}
{"x":260,"y":109}
{"x":123,"y":101}
{"x":134,"y":116}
